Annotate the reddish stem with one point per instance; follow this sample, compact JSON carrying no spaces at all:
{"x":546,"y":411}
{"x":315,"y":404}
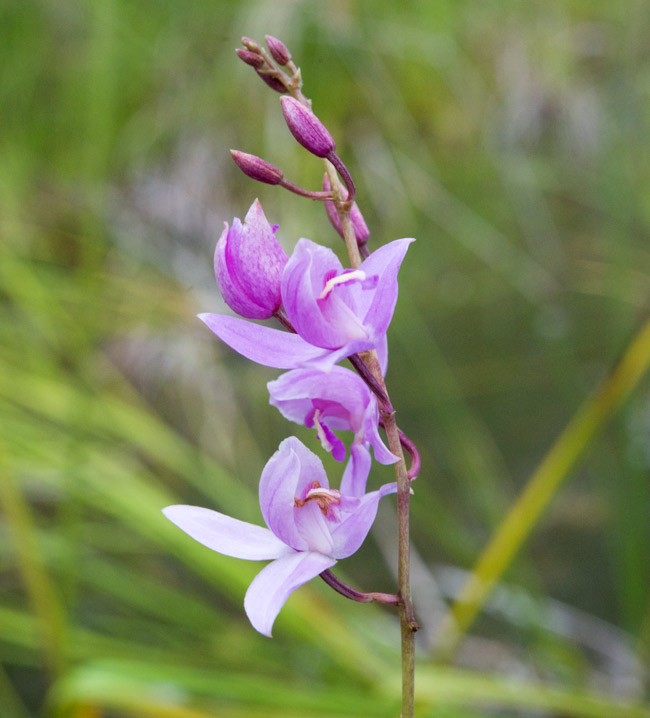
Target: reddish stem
{"x":330,"y":579}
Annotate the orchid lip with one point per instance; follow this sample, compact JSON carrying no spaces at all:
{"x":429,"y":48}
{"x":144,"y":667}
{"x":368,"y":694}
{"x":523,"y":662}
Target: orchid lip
{"x":357,"y":274}
{"x":320,"y":432}
{"x":321,"y":495}
{"x":327,"y":494}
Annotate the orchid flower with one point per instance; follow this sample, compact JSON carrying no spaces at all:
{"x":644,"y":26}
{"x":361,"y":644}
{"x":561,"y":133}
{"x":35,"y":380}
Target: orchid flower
{"x":338,"y":401}
{"x":336,"y":312}
{"x":248,"y":264}
{"x":310,"y":527}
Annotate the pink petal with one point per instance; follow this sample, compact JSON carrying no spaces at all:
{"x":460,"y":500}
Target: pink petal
{"x":226,"y":535}
{"x":382,"y":353}
{"x":276,"y":582}
{"x":278,"y":491}
{"x":285,"y":477}
{"x":234,"y":293}
{"x":353,"y":528}
{"x":302,"y":283}
{"x":356,"y":472}
{"x":314,"y":528}
{"x":264,"y":345}
{"x":377,"y":307}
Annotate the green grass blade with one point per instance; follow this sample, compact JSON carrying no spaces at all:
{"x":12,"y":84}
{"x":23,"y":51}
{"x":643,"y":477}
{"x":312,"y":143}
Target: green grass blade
{"x":543,"y":485}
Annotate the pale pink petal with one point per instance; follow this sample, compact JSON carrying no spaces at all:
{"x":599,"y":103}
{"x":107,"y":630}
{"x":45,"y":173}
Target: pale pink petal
{"x":382,"y":353}
{"x":351,"y":532}
{"x":285,"y":478}
{"x":377,"y":307}
{"x":311,"y":467}
{"x":303,"y":281}
{"x":278,"y":491}
{"x":314,"y":528}
{"x":226,"y":535}
{"x":264,"y":345}
{"x":356,"y":472}
{"x":276,"y":582}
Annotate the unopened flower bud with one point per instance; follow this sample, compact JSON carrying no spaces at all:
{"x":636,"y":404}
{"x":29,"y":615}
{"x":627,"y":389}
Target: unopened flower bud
{"x":273,"y":82}
{"x":250,"y":44}
{"x":279,"y":51}
{"x":310,"y":132}
{"x":250,"y":58}
{"x":361,"y":231}
{"x":248,"y":265}
{"x":256,"y":168}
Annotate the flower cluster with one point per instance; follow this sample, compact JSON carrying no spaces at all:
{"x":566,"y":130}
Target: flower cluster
{"x":328,"y":313}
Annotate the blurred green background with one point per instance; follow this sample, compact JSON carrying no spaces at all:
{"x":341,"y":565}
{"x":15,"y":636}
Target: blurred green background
{"x":511,"y":139}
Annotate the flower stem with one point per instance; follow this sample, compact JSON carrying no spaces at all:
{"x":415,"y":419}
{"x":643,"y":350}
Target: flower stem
{"x":392,"y":599}
{"x":302,"y":192}
{"x":365,"y":373}
{"x":343,"y":208}
{"x":374,"y":377}
{"x":408,"y":623}
{"x":345,"y":174}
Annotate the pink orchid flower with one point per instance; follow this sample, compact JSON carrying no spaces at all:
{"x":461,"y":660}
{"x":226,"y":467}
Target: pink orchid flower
{"x":310,"y":527}
{"x":335,"y":401}
{"x":336,"y":312}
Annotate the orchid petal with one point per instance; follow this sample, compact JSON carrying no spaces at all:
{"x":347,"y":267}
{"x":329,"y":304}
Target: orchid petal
{"x":226,"y":535}
{"x":260,"y":260}
{"x":248,"y":265}
{"x":352,"y":530}
{"x":341,"y":396}
{"x":377,"y":307}
{"x":285,"y":477}
{"x":302,"y":283}
{"x":328,"y":358}
{"x":264,"y":345}
{"x":382,"y":353}
{"x":277,"y":492}
{"x":311,"y":467}
{"x":276,"y":582}
{"x":314,"y":528}
{"x":232,"y":291}
{"x":356,"y":472}
{"x":371,"y":435}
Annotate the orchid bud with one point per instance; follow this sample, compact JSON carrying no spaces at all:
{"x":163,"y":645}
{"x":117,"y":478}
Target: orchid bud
{"x":250,"y":58}
{"x":361,"y":231}
{"x":248,"y":265}
{"x":273,"y":82}
{"x":310,"y":132}
{"x":256,"y":168}
{"x":279,"y":51}
{"x":250,"y":44}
